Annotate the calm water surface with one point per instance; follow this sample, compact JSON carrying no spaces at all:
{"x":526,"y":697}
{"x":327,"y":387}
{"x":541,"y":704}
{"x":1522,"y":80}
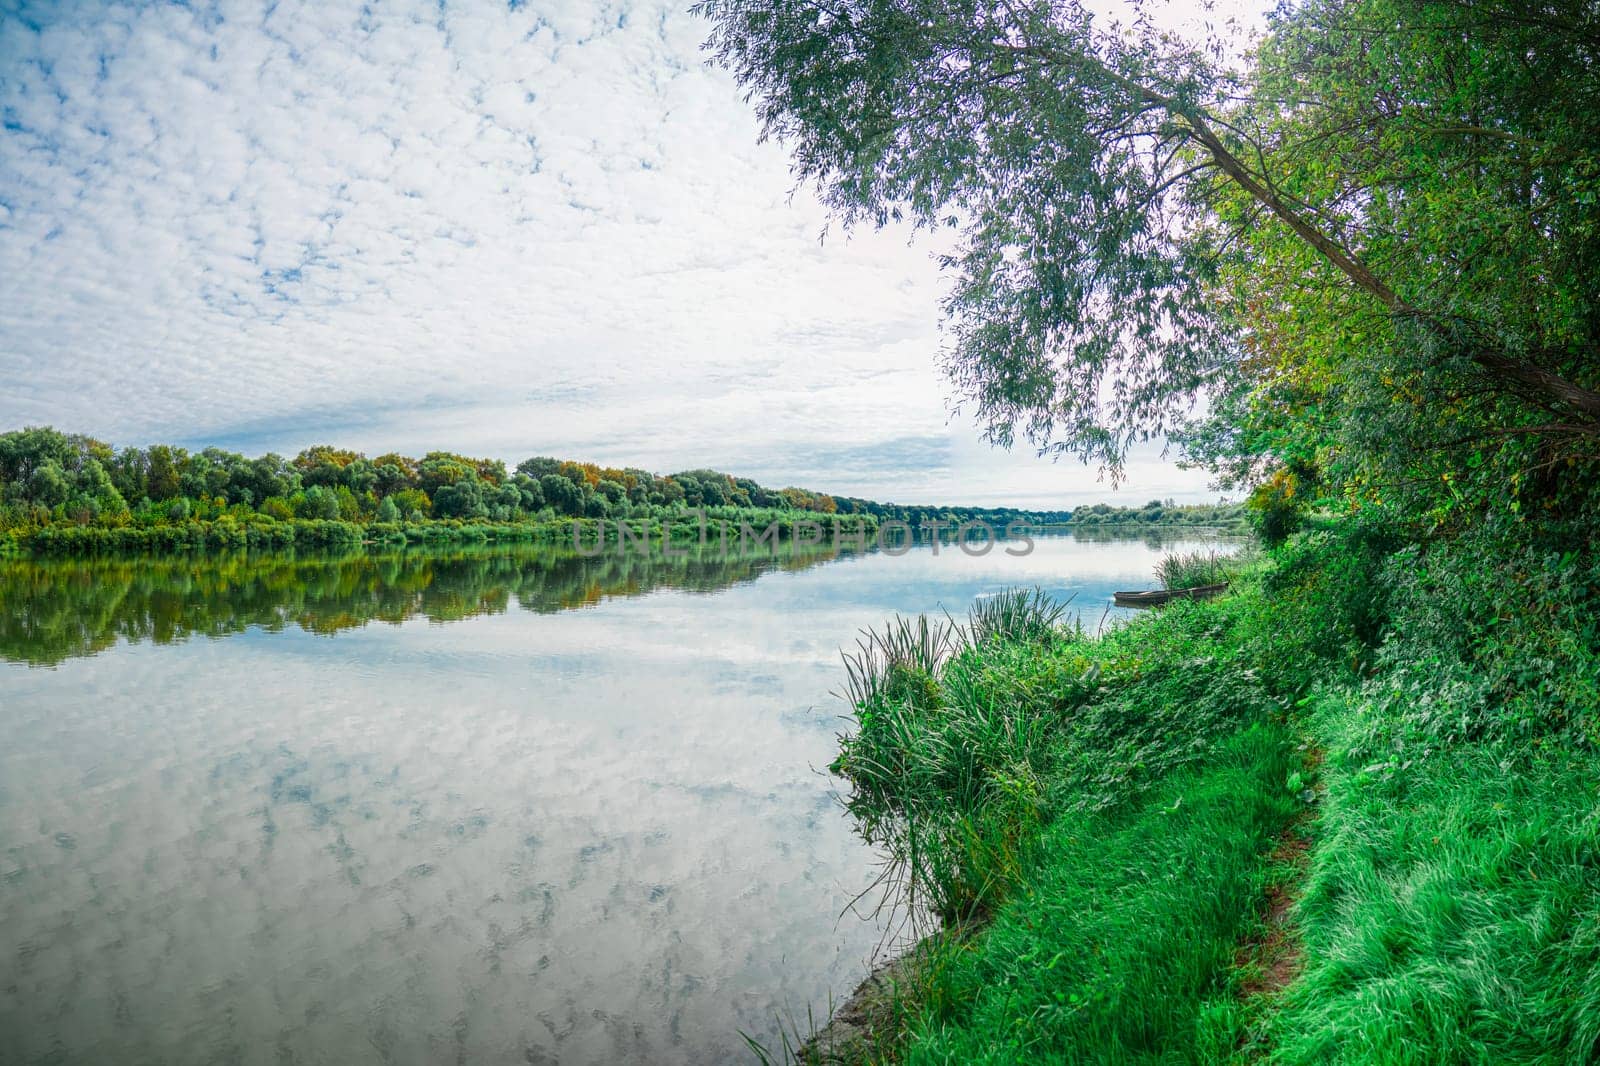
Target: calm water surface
{"x":498,"y":806}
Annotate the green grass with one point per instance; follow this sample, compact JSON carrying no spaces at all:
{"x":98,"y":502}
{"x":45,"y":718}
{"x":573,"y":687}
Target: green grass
{"x":1186,"y":570}
{"x":1095,"y":817}
{"x":1452,"y":912}
{"x":969,"y":739}
{"x":1117,"y":947}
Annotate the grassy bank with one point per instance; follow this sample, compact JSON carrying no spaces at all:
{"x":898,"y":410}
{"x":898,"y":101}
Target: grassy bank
{"x":1099,"y":826}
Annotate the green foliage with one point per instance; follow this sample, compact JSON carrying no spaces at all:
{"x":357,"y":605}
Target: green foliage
{"x":968,"y":740}
{"x":1116,"y":949}
{"x":1445,"y":915}
{"x":1108,"y":806}
{"x":50,"y":480}
{"x":1449,"y":911}
{"x":1158,"y":513}
{"x":1277,"y":507}
{"x":1519,"y":620}
{"x":1476,"y":204}
{"x":461,"y":499}
{"x":318,"y":502}
{"x":64,"y":477}
{"x":1186,"y":570}
{"x":278,"y":508}
{"x":1027,"y":616}
{"x":1393,"y":291}
{"x":1327,"y":603}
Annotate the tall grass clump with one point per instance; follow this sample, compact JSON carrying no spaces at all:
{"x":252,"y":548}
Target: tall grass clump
{"x":900,"y":662}
{"x":1186,"y":570}
{"x":969,"y":739}
{"x":1026,"y":615}
{"x":943,"y":767}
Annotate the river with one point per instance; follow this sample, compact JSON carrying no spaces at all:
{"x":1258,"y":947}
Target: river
{"x":484,"y":806}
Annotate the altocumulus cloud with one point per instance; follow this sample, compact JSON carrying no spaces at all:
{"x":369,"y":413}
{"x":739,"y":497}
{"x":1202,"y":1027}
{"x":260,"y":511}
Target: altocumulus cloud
{"x":538,"y":227}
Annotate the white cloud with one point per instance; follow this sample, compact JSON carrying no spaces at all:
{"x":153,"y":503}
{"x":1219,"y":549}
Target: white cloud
{"x":541,"y":230}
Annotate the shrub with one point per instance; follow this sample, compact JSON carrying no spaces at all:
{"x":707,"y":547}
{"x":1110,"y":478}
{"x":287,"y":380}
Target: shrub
{"x":276,"y":507}
{"x":1277,"y":507}
{"x":1326,"y":602}
{"x":1521,"y":618}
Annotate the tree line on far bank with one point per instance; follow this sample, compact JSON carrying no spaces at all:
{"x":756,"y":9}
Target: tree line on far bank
{"x":57,"y":486}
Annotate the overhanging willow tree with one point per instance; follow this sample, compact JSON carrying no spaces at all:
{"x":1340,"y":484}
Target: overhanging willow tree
{"x":1435,"y":163}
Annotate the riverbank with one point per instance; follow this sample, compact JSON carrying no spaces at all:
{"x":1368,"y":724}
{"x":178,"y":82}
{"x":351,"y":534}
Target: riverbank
{"x":732,"y":528}
{"x":1345,"y":814}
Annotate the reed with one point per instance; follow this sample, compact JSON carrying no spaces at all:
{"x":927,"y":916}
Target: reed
{"x":1186,"y":570}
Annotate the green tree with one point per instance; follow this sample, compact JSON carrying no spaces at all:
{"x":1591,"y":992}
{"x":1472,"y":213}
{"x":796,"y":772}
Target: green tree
{"x":318,"y":501}
{"x":1422,"y":176}
{"x":413,"y":502}
{"x":96,"y":495}
{"x":359,"y":477}
{"x":561,"y":493}
{"x":271,"y":475}
{"x":530,"y":494}
{"x":162,"y":471}
{"x":277,"y":507}
{"x":47,"y":484}
{"x":350,"y":509}
{"x":439,"y":469}
{"x":23,"y":451}
{"x":463,"y":499}
{"x":391,"y":479}
{"x":539,"y":466}
{"x":323,"y":464}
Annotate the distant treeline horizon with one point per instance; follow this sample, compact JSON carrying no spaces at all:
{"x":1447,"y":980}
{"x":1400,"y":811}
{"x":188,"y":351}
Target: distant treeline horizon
{"x":48,"y":477}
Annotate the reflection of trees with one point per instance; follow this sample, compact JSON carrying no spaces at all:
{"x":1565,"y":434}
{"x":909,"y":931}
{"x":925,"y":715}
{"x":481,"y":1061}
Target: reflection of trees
{"x":1154,"y":537}
{"x":56,"y":610}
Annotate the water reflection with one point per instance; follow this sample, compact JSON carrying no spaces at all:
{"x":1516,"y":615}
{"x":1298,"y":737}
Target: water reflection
{"x":532,"y":834}
{"x":55,"y":610}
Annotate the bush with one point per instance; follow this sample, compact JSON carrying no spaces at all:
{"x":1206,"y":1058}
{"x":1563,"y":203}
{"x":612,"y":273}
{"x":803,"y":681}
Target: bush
{"x":1522,"y":619}
{"x":1326,"y":602}
{"x":1277,"y":507}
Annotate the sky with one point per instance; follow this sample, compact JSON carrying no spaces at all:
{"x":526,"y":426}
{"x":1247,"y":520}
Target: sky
{"x":542,"y":228}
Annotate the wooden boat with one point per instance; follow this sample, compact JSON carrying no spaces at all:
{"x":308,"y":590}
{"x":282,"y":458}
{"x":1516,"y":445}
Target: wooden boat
{"x":1156,"y":597}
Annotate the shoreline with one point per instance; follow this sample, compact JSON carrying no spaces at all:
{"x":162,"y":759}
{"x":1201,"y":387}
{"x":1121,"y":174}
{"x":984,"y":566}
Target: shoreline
{"x":849,"y":1033}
